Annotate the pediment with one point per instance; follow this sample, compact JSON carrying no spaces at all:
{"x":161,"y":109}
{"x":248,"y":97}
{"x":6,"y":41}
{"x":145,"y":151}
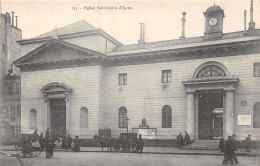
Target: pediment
{"x":56,"y":51}
{"x":55,"y":87}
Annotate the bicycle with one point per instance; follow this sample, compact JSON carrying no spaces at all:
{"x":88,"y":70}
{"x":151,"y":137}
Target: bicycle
{"x":31,"y":149}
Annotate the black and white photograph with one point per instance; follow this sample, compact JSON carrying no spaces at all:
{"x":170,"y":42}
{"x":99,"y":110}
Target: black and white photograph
{"x":127,"y":82}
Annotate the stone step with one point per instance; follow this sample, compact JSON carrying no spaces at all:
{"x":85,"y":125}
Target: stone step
{"x":203,"y":144}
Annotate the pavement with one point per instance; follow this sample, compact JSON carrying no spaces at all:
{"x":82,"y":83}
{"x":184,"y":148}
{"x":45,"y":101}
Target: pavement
{"x":158,"y":150}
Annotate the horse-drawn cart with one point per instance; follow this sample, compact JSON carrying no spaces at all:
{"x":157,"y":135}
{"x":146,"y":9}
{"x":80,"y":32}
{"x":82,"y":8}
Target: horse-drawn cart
{"x":130,"y":139}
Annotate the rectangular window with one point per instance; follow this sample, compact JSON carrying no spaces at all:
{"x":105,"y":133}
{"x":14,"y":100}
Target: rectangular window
{"x":166,"y":76}
{"x":257,"y":69}
{"x":122,"y":79}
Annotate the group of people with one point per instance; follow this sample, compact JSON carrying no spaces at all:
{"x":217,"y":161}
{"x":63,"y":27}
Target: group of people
{"x":47,"y":142}
{"x":183,"y":141}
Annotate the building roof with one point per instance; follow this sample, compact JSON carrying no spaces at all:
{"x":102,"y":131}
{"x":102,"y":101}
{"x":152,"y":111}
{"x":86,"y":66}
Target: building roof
{"x":175,"y":42}
{"x":213,"y":9}
{"x":79,"y":26}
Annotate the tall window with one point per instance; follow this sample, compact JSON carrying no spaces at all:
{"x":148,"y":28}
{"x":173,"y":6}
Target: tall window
{"x":211,"y":71}
{"x":256,"y":69}
{"x":122,"y":79}
{"x":83,"y":117}
{"x":122,"y":116}
{"x":19,"y":111}
{"x":256,"y":115}
{"x":33,"y":119}
{"x":166,"y":117}
{"x":166,"y":76}
{"x":12,"y":113}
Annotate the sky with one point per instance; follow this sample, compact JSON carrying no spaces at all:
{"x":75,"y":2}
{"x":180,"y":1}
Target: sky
{"x":162,"y":18}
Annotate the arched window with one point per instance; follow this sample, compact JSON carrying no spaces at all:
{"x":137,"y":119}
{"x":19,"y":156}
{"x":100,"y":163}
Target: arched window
{"x":211,"y":71}
{"x":83,"y":117}
{"x":166,"y":117}
{"x":122,"y":115}
{"x":256,"y":115}
{"x":33,"y":119}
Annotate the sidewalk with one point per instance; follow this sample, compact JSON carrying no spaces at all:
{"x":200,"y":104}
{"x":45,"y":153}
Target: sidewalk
{"x":158,"y":150}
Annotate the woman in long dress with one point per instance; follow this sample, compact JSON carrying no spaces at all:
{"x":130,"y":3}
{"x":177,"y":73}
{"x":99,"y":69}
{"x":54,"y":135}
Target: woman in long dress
{"x":76,"y":147}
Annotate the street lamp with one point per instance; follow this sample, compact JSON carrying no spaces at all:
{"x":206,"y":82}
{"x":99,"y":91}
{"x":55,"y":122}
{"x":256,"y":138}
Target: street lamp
{"x":127,"y":119}
{"x":10,"y":81}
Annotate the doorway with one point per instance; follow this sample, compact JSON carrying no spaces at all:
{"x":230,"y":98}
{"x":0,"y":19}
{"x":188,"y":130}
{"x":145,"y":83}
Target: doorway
{"x":58,"y":117}
{"x":210,"y":115}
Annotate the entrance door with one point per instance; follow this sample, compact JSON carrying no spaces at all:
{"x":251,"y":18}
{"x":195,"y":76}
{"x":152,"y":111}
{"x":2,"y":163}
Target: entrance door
{"x":58,"y":117}
{"x":210,"y":119}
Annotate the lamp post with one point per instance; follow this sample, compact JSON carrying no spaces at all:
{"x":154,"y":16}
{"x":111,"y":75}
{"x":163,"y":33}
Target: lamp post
{"x":10,"y":81}
{"x":127,"y":119}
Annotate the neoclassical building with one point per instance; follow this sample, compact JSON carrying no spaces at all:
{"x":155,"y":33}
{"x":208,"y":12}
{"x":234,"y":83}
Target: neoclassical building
{"x":79,"y":79}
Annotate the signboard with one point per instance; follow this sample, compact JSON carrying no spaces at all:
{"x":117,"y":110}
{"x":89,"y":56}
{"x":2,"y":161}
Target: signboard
{"x":150,"y":133}
{"x":244,"y":120}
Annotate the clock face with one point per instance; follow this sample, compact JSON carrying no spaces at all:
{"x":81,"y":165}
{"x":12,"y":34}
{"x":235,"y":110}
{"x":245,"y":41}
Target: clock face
{"x":213,"y":21}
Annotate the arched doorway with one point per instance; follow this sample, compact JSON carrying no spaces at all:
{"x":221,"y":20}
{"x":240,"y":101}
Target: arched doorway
{"x":57,"y":108}
{"x":210,"y":97}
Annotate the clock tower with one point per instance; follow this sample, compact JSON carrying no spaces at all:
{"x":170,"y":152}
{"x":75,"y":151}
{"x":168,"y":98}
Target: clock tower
{"x":213,"y":22}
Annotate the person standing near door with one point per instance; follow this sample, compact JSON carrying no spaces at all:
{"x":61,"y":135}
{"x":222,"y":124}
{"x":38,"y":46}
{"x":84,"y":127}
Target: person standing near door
{"x":248,"y":143}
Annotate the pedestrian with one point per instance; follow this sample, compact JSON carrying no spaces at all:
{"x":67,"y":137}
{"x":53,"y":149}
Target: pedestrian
{"x":69,"y":141}
{"x":248,"y":143}
{"x":179,"y":140}
{"x":64,"y":143}
{"x":42,"y":142}
{"x":35,"y":136}
{"x":140,"y":144}
{"x":47,"y":134}
{"x":186,"y":139}
{"x":234,"y":148}
{"x":76,"y":147}
{"x":221,"y":144}
{"x":228,"y":152}
{"x":49,"y":147}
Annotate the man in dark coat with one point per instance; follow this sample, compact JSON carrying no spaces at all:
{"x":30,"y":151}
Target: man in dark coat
{"x":221,"y":144}
{"x":41,"y":141}
{"x":186,"y":139}
{"x":234,"y":148}
{"x":140,"y":144}
{"x":69,"y":141}
{"x":35,"y":135}
{"x":64,"y":143}
{"x":228,"y":152}
{"x":180,"y":140}
{"x":49,"y":147}
{"x":248,"y":143}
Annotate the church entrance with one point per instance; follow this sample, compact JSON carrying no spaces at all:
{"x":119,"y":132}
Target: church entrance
{"x":58,"y":117}
{"x":210,"y":115}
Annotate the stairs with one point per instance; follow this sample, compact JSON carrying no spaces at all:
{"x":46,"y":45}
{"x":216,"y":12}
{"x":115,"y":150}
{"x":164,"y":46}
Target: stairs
{"x":203,"y":144}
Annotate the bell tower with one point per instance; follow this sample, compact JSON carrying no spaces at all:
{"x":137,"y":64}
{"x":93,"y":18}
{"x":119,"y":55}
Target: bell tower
{"x":213,"y":22}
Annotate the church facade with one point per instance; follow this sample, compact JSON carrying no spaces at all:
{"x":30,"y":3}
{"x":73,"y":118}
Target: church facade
{"x":80,"y":79}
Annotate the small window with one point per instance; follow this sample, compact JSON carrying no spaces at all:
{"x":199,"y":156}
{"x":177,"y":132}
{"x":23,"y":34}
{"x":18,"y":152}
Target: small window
{"x":122,"y":79}
{"x":166,"y":117}
{"x":122,"y":116}
{"x":256,"y":69}
{"x":83,"y":117}
{"x":256,"y":115}
{"x":33,"y":119}
{"x":166,"y":76}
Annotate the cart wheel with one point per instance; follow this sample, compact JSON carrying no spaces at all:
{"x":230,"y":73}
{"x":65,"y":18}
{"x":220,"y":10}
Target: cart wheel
{"x":18,"y":145}
{"x":36,"y":151}
{"x":132,"y":147}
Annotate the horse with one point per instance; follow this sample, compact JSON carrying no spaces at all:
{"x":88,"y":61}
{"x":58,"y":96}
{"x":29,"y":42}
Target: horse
{"x":105,"y":142}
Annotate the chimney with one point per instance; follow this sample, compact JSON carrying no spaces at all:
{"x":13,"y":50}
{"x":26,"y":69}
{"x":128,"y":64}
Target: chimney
{"x":12,"y":18}
{"x":16,"y":24}
{"x":245,"y":21}
{"x":7,"y":18}
{"x":183,"y":20}
{"x":142,"y":39}
{"x":251,"y":23}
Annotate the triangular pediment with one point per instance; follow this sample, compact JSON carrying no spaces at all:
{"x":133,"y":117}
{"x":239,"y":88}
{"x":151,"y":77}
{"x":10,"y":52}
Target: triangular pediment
{"x":56,"y":51}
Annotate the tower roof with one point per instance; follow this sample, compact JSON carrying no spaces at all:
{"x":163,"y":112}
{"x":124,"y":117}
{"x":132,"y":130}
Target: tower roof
{"x":214,"y":9}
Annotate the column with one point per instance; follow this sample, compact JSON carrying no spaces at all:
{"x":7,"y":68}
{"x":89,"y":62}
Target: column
{"x":229,"y":114}
{"x":67,"y":113}
{"x":190,"y":114}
